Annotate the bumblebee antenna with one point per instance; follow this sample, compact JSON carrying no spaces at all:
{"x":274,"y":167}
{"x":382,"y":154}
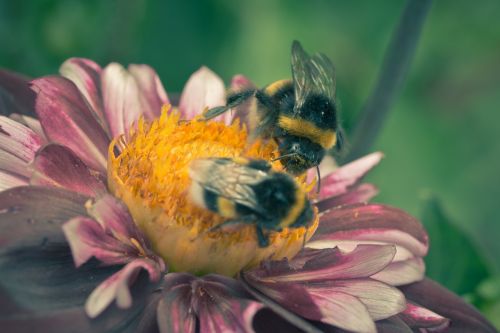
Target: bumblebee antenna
{"x":283,"y":156}
{"x":319,"y":179}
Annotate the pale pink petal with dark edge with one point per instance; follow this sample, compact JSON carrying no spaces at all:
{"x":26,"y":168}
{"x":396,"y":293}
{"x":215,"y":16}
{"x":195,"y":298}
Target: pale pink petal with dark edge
{"x":18,"y":140}
{"x":356,"y":194}
{"x":18,"y":145}
{"x":399,"y":273}
{"x":348,"y":226}
{"x":86,"y":75}
{"x":14,"y":166}
{"x":432,"y":296}
{"x":115,"y":219}
{"x":31,"y":123}
{"x":338,"y":181}
{"x":327,"y":264}
{"x":116,"y":287}
{"x":419,"y":317}
{"x":67,"y":120}
{"x":203,"y":89}
{"x":58,"y":166}
{"x":113,"y":238}
{"x":344,"y":311}
{"x":122,"y":106}
{"x":87,"y":239}
{"x":381,"y":300}
{"x":152,"y":95}
{"x":334,"y":308}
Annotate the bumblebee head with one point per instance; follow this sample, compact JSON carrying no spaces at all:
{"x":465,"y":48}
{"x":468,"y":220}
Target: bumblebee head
{"x":299,"y":154}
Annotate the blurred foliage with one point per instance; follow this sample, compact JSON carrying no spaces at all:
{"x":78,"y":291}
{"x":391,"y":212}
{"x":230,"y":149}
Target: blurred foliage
{"x":441,"y":136}
{"x":453,"y":257}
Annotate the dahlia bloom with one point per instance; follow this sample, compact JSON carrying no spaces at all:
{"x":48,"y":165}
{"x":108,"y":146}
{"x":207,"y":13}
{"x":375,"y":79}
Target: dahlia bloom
{"x":98,"y":233}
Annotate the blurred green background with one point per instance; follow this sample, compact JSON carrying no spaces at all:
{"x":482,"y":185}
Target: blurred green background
{"x":441,"y":139}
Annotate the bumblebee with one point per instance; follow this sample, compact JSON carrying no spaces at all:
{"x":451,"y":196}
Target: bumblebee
{"x":300,"y":114}
{"x":248,"y":191}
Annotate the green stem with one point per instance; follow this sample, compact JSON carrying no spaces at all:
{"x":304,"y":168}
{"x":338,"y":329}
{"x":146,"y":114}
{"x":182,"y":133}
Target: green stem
{"x":397,"y":61}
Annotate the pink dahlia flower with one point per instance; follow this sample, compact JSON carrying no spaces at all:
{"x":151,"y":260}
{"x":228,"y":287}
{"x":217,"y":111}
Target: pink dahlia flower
{"x":93,"y":209}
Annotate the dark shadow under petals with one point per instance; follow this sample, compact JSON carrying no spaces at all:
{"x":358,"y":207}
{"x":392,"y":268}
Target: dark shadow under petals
{"x":463,"y":317}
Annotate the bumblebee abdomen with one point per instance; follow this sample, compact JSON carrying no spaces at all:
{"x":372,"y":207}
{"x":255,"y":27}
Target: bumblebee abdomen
{"x":222,"y":206}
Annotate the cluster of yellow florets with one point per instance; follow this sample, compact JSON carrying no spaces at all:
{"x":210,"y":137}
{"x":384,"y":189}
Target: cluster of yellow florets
{"x":150,"y":175}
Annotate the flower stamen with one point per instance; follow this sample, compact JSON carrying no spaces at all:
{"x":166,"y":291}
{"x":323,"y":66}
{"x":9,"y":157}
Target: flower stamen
{"x":151,"y":176}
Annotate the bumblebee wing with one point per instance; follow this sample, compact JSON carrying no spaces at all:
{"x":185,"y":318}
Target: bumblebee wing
{"x":314,"y":74}
{"x":323,"y":75}
{"x":228,"y":179}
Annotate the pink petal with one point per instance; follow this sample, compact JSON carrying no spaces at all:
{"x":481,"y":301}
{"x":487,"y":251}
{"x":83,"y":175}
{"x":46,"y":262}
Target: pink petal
{"x":86,"y":75}
{"x":356,"y":194}
{"x":13,"y":165}
{"x":402,"y":272}
{"x":67,"y":120}
{"x":58,"y":166}
{"x":114,"y":217}
{"x":116,"y":287}
{"x":339,"y":180}
{"x":241,"y":82}
{"x":292,"y":296}
{"x":18,"y":139}
{"x":8,"y":180}
{"x":242,"y":111}
{"x":381,"y":300}
{"x":227,"y":314}
{"x":344,"y":311}
{"x":376,"y":223}
{"x":203,"y":89}
{"x":87,"y":239}
{"x":31,"y":123}
{"x":174,"y":312}
{"x":122,"y":106}
{"x":151,"y":91}
{"x":328,"y":264}
{"x":33,"y":215}
{"x":416,"y":316}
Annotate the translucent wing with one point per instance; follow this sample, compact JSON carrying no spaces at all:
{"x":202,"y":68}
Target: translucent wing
{"x":311,"y":75}
{"x":228,"y":179}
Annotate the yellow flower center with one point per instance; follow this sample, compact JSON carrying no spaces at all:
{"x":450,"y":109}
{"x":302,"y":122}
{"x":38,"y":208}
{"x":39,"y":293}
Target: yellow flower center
{"x":151,"y":176}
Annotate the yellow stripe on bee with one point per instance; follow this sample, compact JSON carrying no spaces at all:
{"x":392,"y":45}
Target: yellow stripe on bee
{"x":295,"y":210}
{"x":226,"y":207}
{"x":275,"y":86}
{"x":306,"y":129}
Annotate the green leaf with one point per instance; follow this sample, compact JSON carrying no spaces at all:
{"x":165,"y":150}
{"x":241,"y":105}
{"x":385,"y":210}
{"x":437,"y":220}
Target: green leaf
{"x":453,"y":258}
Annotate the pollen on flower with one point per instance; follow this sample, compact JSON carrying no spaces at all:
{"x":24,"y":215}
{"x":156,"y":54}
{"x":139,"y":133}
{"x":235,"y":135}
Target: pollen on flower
{"x":150,"y":175}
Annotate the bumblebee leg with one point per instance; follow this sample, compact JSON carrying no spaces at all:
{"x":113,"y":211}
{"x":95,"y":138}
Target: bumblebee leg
{"x":261,"y":237}
{"x":233,"y":100}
